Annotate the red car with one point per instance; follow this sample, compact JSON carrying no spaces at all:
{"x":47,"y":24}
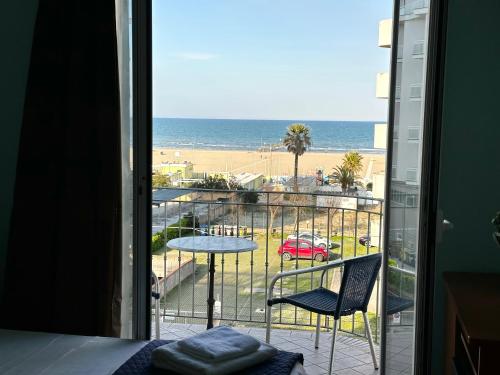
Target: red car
{"x":289,"y":250}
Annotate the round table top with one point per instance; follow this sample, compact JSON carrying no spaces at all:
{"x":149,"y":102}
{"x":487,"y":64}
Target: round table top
{"x":212,"y":244}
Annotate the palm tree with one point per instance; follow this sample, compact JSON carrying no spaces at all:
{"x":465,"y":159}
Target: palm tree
{"x":353,"y":161}
{"x":343,"y":176}
{"x":297,"y":140}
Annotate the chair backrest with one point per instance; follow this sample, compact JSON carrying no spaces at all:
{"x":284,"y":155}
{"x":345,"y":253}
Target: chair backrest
{"x":357,"y":284}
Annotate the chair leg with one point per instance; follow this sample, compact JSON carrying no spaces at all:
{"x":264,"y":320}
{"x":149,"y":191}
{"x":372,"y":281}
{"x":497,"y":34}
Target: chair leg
{"x":330,"y":365}
{"x":318,"y":324}
{"x":268,"y":321}
{"x":370,"y":340}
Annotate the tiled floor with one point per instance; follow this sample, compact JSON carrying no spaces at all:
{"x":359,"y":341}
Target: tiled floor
{"x":352,"y":354}
{"x":400,"y":351}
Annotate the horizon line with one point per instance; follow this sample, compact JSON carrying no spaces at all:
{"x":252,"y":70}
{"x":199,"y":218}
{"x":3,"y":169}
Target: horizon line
{"x":263,"y":119}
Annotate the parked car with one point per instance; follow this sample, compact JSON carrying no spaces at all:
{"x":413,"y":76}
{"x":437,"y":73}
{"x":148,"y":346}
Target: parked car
{"x":365,"y":241}
{"x":308,"y":236}
{"x":305,"y":250}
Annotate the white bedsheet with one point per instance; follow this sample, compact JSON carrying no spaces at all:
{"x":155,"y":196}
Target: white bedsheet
{"x":35,"y":353}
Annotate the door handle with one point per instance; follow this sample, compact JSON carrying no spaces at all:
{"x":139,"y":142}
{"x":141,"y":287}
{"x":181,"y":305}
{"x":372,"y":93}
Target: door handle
{"x":447,"y":225}
{"x":442,"y":225}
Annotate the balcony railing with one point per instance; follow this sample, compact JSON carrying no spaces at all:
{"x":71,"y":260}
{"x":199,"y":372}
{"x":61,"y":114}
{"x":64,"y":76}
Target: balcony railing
{"x":349,"y":225}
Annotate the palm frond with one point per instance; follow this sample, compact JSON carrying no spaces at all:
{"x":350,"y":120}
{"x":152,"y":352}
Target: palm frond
{"x":353,"y":161}
{"x":297,"y":139}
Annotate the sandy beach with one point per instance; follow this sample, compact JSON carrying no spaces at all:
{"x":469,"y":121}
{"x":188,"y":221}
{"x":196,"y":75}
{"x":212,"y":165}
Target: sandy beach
{"x":277,"y":163}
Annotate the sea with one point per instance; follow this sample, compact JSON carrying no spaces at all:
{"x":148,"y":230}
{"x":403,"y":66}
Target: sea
{"x":251,"y":135}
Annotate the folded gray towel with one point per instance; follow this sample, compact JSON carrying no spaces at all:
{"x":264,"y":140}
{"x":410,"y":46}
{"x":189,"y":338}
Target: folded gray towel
{"x":219,"y":344}
{"x":170,"y":357}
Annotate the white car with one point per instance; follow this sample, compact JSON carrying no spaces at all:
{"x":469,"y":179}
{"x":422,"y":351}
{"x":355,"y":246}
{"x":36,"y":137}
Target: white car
{"x":308,"y":236}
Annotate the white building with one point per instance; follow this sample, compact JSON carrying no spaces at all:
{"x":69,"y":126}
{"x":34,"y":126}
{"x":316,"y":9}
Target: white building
{"x":250,"y":181}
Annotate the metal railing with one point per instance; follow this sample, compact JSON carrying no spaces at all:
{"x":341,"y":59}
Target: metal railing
{"x":347,"y":225}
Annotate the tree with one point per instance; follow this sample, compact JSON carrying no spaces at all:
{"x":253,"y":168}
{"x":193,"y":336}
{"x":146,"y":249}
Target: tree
{"x":353,"y":161}
{"x":160,"y":181}
{"x":343,"y":176}
{"x":249,"y":196}
{"x":275,"y":198}
{"x":296,"y":141}
{"x":217,"y":182}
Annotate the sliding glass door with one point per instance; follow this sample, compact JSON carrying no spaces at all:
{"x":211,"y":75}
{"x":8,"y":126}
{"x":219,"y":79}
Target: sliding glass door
{"x":410,"y":163}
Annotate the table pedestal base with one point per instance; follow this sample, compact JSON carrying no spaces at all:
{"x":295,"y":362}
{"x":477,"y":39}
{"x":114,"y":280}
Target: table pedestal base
{"x":211,"y":300}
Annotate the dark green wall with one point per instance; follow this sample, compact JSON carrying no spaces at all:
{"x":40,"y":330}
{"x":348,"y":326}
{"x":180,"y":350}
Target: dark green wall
{"x":16,"y":34}
{"x":470,"y":162}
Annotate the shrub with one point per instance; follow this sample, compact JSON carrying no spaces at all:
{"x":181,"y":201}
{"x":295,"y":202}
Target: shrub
{"x":249,"y":196}
{"x":160,"y":181}
{"x":172,"y":231}
{"x":402,"y":284}
{"x":158,"y":242}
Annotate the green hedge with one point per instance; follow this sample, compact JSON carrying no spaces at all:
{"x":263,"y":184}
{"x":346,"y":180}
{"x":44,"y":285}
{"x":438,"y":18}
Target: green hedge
{"x":401,"y":283}
{"x":161,"y":238}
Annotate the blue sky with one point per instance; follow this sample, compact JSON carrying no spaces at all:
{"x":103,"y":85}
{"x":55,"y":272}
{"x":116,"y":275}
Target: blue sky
{"x":268,"y":59}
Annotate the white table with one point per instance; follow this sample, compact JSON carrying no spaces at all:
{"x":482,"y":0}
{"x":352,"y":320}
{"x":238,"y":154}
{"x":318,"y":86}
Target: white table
{"x":212,"y":245}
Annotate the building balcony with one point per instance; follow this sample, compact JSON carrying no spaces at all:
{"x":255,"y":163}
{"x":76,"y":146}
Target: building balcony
{"x":382,"y":86}
{"x":241,"y":280}
{"x":385,"y":33}
{"x":380,"y":136}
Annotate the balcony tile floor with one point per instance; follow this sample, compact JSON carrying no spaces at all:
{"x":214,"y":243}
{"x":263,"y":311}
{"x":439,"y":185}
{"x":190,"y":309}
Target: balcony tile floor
{"x":352,"y":354}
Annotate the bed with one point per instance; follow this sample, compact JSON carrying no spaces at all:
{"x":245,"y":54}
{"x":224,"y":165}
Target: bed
{"x":32,"y":353}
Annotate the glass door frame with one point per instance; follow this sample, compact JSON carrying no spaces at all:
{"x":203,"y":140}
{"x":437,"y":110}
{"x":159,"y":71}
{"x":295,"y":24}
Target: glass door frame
{"x":142,"y":161}
{"x":431,"y":141}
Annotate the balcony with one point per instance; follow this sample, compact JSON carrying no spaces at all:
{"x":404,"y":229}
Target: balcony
{"x":380,"y":136}
{"x":241,"y":280}
{"x":385,"y":33}
{"x":382,"y":85}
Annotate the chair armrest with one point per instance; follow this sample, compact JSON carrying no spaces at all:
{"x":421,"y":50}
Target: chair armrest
{"x":281,"y":275}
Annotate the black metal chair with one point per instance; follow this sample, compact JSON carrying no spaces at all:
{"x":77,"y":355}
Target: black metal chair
{"x":356,"y":288}
{"x":395,"y":304}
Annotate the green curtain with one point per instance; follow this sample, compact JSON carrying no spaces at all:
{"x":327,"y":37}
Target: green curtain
{"x":63,"y":264}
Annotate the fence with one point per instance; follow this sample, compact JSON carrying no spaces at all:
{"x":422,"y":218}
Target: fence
{"x":346,"y":225}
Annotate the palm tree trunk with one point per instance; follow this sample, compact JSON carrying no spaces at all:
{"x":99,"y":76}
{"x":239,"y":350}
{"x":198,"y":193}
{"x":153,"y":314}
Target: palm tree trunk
{"x":295,"y":174}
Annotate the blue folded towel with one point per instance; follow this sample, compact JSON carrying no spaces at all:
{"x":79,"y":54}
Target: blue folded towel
{"x":219,"y":344}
